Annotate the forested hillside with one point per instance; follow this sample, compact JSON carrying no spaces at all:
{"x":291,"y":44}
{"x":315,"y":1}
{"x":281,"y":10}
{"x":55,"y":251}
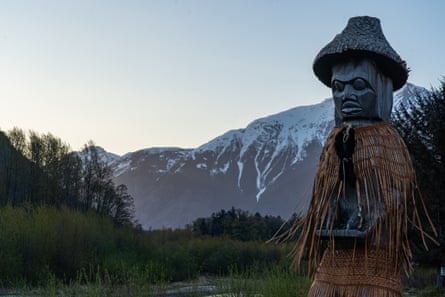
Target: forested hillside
{"x":39,"y":169}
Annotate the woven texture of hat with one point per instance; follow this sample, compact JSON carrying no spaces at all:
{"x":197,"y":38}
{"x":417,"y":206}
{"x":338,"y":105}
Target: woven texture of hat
{"x":352,"y":273}
{"x":361,"y":33}
{"x":362,"y":37}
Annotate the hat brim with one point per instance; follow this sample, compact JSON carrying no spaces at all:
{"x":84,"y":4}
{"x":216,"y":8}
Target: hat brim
{"x":396,"y":72}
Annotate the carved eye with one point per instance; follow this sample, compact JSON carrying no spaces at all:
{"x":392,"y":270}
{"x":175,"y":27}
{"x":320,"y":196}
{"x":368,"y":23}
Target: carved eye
{"x":359,"y":84}
{"x":337,"y":86}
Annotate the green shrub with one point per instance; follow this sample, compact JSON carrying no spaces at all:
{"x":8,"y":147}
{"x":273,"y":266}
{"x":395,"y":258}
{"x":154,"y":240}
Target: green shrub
{"x":40,"y":244}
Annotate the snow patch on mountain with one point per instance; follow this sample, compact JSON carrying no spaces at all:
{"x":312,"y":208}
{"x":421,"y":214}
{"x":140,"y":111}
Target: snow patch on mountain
{"x":220,"y":170}
{"x":269,"y":144}
{"x":408,"y":93}
{"x":240,"y":171}
{"x":270,"y":137}
{"x":122,"y":167}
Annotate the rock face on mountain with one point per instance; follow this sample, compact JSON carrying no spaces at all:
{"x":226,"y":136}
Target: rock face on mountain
{"x":267,"y":167}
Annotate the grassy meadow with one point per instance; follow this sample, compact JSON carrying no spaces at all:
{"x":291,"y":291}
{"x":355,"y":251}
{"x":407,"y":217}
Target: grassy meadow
{"x":64,"y":250}
{"x":48,"y":251}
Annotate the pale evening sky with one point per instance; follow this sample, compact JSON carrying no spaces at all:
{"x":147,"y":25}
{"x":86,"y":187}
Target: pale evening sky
{"x":137,"y":74}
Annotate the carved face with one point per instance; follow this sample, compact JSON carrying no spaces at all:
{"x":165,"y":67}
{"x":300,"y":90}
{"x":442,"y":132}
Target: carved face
{"x":354,"y":91}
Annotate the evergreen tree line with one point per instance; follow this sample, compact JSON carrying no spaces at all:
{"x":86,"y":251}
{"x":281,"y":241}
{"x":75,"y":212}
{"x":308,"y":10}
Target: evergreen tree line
{"x":40,"y":169}
{"x":421,"y":124}
{"x":238,"y":224}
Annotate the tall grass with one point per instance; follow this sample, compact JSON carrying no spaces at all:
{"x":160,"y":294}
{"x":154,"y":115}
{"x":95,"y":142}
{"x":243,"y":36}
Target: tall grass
{"x":275,"y":280}
{"x":62,"y":252}
{"x":40,"y":244}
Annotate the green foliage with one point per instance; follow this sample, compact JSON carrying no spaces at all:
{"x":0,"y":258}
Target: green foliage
{"x":40,"y":244}
{"x":40,"y":169}
{"x":420,"y":123}
{"x":86,"y":254}
{"x":279,"y":281}
{"x":271,"y":281}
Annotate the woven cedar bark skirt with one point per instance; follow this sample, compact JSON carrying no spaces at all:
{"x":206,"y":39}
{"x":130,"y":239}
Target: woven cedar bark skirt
{"x":356,"y":273}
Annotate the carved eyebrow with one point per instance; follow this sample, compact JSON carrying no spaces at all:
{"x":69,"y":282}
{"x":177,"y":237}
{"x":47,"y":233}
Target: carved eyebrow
{"x":351,"y":82}
{"x":342,"y":80}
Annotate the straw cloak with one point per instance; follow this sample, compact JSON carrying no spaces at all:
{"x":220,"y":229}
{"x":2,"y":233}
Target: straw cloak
{"x":388,"y":201}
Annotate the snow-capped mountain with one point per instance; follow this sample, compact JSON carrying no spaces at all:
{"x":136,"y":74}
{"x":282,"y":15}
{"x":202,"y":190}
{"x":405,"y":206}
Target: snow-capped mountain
{"x":267,"y":167}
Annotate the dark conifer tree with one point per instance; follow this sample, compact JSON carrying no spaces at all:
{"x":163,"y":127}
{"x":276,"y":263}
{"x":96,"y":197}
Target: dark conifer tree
{"x":421,"y":124}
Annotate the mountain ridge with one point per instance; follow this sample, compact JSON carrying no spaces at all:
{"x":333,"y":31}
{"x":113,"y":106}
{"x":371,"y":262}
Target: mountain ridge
{"x":266,"y":167}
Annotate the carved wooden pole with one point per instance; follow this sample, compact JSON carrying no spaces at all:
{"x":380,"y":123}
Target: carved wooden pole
{"x":365,"y":182}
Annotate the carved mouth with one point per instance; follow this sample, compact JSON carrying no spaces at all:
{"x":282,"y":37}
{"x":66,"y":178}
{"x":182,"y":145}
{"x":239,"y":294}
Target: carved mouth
{"x":351,"y":108}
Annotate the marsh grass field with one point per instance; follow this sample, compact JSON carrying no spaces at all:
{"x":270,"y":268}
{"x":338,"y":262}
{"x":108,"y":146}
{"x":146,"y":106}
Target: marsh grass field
{"x":46,"y":251}
{"x":274,"y":282}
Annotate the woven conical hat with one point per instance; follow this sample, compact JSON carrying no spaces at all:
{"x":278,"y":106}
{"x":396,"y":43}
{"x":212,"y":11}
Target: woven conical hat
{"x":363,"y":38}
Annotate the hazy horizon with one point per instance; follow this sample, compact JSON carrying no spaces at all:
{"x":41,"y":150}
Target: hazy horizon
{"x":139,"y":74}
